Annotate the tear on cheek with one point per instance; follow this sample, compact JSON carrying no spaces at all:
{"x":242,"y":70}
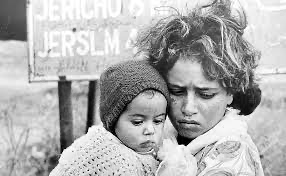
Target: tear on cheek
{"x":173,"y":99}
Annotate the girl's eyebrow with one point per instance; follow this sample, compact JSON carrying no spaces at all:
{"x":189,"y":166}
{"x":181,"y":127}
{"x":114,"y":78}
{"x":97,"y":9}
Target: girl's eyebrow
{"x":206,"y":88}
{"x":203,"y":88}
{"x":174,"y":85}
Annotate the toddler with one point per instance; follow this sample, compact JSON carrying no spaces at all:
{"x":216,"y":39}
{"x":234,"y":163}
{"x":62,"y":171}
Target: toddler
{"x":133,"y":104}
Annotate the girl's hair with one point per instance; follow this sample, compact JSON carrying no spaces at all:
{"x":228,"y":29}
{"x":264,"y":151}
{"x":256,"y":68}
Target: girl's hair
{"x":213,"y":35}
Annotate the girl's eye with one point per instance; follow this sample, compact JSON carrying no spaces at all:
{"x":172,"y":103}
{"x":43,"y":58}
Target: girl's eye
{"x":137,"y":122}
{"x":206,"y":95}
{"x":176,"y":92}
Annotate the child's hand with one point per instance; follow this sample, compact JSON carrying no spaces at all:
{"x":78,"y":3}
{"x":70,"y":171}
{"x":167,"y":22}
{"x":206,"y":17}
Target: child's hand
{"x":176,"y":160}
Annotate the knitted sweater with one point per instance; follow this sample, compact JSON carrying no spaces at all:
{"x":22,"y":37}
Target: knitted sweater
{"x":101,"y":153}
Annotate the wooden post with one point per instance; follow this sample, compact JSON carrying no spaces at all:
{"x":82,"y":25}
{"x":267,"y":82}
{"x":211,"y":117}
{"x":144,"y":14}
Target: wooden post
{"x":91,"y":103}
{"x":65,"y":110}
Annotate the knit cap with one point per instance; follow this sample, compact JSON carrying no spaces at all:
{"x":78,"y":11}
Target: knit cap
{"x":121,"y":83}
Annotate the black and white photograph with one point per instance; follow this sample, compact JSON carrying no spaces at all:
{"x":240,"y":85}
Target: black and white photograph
{"x":142,"y":88}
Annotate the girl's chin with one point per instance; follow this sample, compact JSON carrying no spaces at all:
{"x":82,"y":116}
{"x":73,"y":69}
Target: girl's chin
{"x":188,"y":134}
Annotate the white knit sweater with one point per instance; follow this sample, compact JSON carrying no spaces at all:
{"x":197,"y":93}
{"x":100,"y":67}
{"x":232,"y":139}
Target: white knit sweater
{"x":101,"y":153}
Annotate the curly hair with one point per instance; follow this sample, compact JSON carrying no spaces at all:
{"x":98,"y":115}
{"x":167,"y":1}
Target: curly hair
{"x":214,"y":35}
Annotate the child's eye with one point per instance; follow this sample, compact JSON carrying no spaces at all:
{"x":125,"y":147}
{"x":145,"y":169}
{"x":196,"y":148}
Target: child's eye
{"x":159,"y":121}
{"x":137,"y":122}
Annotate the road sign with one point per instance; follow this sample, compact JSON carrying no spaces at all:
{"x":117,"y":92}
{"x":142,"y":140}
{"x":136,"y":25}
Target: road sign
{"x":77,"y":39}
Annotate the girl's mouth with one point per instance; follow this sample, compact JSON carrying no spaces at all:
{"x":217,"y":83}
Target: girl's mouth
{"x":183,"y":121}
{"x":190,"y":125}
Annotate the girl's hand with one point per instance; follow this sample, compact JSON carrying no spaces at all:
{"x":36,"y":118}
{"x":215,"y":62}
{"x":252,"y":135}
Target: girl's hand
{"x":175,"y":160}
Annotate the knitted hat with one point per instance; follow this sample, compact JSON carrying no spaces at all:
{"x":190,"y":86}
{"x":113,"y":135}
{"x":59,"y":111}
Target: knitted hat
{"x":121,"y":83}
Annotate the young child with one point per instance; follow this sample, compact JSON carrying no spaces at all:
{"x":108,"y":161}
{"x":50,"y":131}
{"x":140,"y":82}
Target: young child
{"x":133,"y":105}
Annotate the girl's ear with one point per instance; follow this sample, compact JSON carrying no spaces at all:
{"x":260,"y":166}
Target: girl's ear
{"x":230,"y":99}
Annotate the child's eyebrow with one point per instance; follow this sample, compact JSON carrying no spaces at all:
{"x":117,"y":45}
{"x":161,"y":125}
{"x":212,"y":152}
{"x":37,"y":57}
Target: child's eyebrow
{"x":163,"y":114}
{"x":137,"y":115}
{"x":144,"y":116}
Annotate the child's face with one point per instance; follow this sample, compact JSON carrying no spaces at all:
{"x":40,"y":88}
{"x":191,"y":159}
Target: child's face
{"x":140,"y":126}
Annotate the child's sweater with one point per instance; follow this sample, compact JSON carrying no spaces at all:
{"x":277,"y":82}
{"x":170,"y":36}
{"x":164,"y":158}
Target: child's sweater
{"x":101,"y":153}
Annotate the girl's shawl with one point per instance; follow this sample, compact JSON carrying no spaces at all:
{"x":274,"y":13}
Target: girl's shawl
{"x":226,"y":149}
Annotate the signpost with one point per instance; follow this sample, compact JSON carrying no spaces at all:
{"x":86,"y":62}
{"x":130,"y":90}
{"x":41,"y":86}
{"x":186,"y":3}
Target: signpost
{"x":77,"y":39}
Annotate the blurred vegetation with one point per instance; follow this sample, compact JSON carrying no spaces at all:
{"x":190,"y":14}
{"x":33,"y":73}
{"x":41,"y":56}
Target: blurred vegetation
{"x":267,"y":126}
{"x":29,"y":129}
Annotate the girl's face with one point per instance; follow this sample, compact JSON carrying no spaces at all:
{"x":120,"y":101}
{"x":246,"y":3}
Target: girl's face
{"x":197,"y":104}
{"x":140,"y":126}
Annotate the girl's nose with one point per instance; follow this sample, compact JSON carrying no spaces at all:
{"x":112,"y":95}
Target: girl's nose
{"x":189,"y":106}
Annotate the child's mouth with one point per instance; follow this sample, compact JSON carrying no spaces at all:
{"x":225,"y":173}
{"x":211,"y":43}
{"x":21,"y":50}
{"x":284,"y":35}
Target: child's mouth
{"x":148,"y":144}
{"x":152,"y":152}
{"x":149,"y":148}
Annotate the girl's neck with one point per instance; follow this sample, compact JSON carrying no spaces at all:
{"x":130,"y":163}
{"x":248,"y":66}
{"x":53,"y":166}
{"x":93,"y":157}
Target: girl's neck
{"x":183,"y":140}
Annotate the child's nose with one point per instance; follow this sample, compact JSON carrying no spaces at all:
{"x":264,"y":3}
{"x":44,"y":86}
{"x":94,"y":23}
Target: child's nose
{"x":149,"y":129}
